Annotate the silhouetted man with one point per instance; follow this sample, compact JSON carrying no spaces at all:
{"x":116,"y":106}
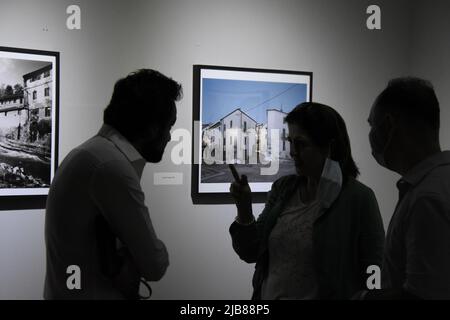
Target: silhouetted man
{"x":96,"y":218}
{"x":404,"y":138}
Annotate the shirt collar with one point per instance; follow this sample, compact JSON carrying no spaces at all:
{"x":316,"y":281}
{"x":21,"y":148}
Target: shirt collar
{"x":419,"y":171}
{"x":124,"y":146}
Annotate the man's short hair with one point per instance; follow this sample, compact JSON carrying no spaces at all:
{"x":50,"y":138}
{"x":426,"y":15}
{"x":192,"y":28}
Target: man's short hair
{"x":411,"y":98}
{"x":144,"y":98}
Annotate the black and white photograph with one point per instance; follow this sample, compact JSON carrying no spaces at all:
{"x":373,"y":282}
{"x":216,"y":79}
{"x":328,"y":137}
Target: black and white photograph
{"x":27,"y":122}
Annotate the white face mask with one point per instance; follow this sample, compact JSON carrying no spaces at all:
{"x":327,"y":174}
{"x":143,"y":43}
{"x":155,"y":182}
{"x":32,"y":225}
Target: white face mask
{"x":330,"y":182}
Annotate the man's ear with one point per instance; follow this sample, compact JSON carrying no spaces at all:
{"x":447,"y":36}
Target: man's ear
{"x":390,"y":121}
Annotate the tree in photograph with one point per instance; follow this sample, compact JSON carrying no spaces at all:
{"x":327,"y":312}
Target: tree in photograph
{"x":18,"y":88}
{"x":44,"y":127}
{"x":9,"y":91}
{"x":33,"y":127}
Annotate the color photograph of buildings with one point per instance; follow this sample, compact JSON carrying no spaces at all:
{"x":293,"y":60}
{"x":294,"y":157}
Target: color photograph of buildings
{"x":243,"y":123}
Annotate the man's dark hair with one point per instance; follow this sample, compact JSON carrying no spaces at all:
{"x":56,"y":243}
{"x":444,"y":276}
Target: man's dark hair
{"x":326,"y":127}
{"x":144,"y":98}
{"x":411,"y":98}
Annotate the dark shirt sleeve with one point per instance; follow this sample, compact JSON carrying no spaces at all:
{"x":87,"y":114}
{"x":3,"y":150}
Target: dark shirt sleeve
{"x":427,"y":255}
{"x":371,"y":240}
{"x":427,"y":242}
{"x":116,"y":191}
{"x":246,"y":239}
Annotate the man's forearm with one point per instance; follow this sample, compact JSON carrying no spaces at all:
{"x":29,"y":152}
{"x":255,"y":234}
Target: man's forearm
{"x":128,"y":278}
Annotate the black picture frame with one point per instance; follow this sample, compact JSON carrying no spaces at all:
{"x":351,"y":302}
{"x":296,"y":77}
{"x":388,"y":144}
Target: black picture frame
{"x":223,"y":197}
{"x":37,"y":135}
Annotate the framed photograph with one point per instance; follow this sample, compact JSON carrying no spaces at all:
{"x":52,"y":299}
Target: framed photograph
{"x":238,"y":118}
{"x":29,"y":107}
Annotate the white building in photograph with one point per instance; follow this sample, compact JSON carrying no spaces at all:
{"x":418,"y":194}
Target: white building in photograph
{"x":275,"y":120}
{"x":12,"y":114}
{"x":261,"y":134}
{"x":226,"y":132}
{"x":38,"y":92}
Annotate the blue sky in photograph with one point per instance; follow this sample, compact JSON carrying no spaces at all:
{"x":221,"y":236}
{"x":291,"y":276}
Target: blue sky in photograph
{"x":221,"y":97}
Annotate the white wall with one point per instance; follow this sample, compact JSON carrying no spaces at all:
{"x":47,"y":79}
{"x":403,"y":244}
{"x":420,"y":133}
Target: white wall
{"x":430,"y":52}
{"x":350,"y":64}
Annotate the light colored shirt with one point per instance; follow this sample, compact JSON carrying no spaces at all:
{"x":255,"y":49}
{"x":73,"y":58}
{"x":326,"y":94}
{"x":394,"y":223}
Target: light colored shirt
{"x":96,"y":197}
{"x":417,"y":252}
{"x":291,"y":272}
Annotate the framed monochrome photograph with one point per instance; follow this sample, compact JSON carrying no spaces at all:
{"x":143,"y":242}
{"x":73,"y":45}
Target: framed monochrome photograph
{"x":238,"y":118}
{"x":29,"y":95}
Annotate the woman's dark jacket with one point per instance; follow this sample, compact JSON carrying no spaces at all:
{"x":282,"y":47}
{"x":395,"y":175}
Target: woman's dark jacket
{"x":347,"y":238}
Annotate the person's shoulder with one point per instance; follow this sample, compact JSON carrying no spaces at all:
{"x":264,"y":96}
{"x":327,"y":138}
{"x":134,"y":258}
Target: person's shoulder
{"x":79,"y":156}
{"x":285,"y":181}
{"x":354,"y":187}
{"x":359,"y":197}
{"x":434,"y":189}
{"x":95,"y":152}
{"x":436,"y":181}
{"x":101,"y":150}
{"x":433,"y":193}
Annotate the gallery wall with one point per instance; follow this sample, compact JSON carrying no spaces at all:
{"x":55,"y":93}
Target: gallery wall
{"x":430,"y":52}
{"x":351,"y":64}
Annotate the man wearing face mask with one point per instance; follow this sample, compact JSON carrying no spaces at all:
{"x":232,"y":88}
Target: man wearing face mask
{"x":320,"y":228}
{"x":404,"y":138}
{"x":96,"y":216}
